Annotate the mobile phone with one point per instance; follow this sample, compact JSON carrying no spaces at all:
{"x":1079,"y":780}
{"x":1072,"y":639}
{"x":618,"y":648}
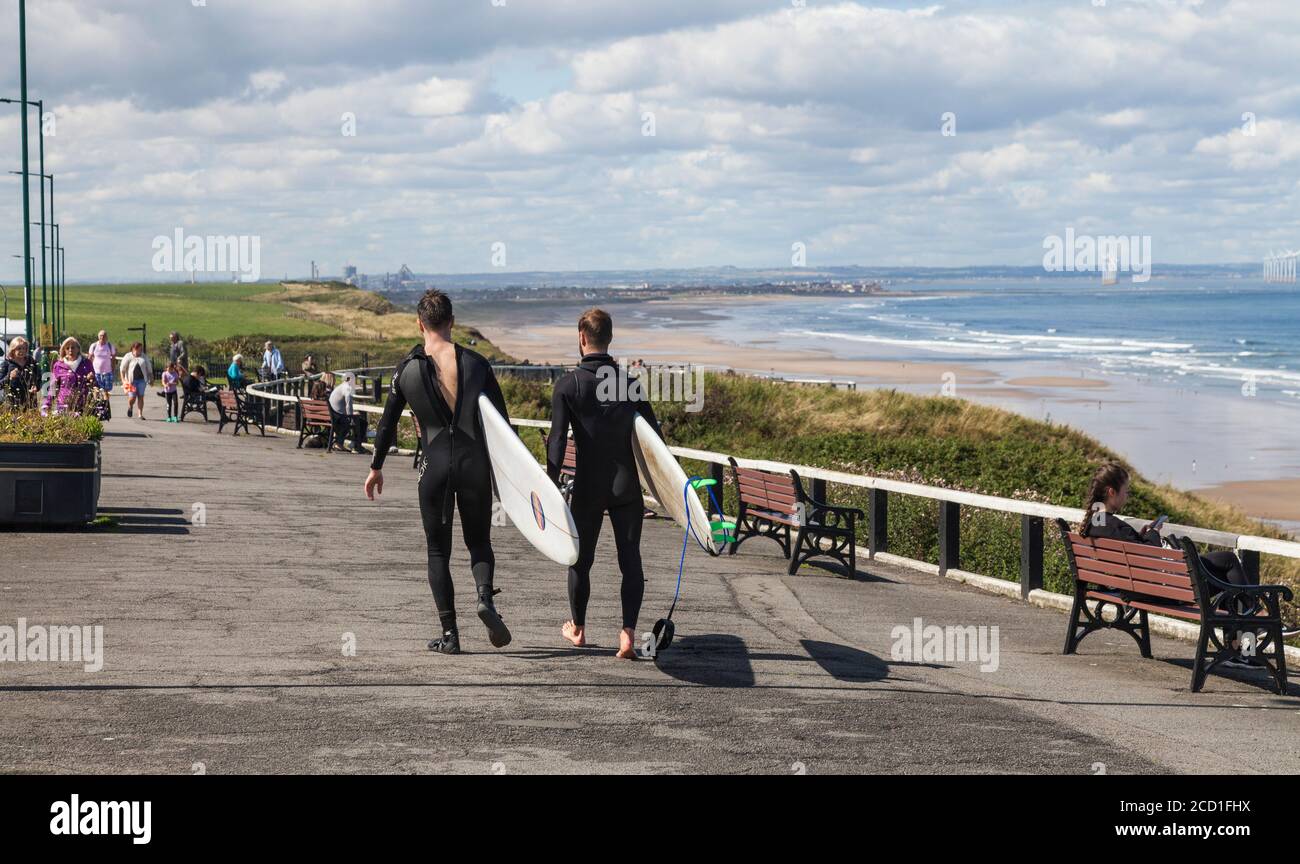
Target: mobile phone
{"x":1160,"y":522}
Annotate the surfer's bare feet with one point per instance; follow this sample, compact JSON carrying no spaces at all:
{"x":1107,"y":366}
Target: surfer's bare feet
{"x":626,"y":644}
{"x":575,"y":634}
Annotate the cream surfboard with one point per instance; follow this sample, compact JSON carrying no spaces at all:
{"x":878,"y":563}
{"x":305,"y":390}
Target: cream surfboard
{"x":527,"y":495}
{"x":666,"y":482}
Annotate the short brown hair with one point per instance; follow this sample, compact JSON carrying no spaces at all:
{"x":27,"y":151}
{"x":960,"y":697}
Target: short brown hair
{"x":598,"y":327}
{"x":434,"y":309}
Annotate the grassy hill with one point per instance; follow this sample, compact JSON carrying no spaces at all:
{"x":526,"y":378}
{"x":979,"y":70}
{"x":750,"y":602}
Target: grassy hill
{"x":339,"y":324}
{"x":938,"y":441}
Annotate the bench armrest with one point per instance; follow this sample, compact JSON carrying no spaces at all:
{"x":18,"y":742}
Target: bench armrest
{"x":1282,"y":591}
{"x":835,"y":508}
{"x":817,"y":511}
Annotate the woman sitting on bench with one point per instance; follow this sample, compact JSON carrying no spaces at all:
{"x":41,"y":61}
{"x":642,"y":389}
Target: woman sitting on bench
{"x":1107,"y":496}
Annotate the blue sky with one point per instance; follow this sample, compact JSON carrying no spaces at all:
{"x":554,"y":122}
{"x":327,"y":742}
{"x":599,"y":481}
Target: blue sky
{"x":525,"y":125}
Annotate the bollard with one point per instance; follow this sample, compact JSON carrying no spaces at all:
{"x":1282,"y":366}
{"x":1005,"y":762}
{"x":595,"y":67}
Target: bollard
{"x":1031,"y":555}
{"x":949,"y":537}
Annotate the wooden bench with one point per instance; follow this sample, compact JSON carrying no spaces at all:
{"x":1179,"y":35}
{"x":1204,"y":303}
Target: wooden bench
{"x":194,"y":401}
{"x":233,"y":407}
{"x":771,"y":504}
{"x":1137,"y":579}
{"x":568,"y":468}
{"x":315,"y":418}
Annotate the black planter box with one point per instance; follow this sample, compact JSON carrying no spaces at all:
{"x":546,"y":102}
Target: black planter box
{"x":49,"y":484}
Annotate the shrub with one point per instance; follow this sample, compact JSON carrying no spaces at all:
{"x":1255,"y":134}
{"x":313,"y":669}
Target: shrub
{"x":29,"y":427}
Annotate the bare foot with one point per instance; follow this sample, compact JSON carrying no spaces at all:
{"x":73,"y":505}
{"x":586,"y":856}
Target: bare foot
{"x":626,"y":644}
{"x":575,"y":634}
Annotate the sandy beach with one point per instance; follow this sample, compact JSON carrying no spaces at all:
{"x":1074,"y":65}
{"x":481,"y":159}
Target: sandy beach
{"x":558,"y":344}
{"x":1272,"y":499}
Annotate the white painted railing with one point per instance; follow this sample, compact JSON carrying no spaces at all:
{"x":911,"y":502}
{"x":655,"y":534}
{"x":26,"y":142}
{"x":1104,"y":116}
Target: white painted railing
{"x":1033,"y":514}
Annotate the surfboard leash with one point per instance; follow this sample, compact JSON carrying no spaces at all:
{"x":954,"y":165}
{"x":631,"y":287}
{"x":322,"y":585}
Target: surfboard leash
{"x":722,"y":530}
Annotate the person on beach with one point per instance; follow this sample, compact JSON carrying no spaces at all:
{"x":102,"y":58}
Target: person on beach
{"x":20,"y":379}
{"x":605,"y":480}
{"x":71,"y":377}
{"x":136,"y":371}
{"x":170,"y":377}
{"x":348,"y":422}
{"x":102,"y":356}
{"x":235,"y":376}
{"x":1107,"y":495}
{"x":442,"y":381}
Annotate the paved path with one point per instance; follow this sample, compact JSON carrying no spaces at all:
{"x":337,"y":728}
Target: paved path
{"x":224,"y":647}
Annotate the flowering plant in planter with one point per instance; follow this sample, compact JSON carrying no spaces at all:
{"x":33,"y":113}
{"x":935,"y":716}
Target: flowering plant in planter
{"x":30,"y":427}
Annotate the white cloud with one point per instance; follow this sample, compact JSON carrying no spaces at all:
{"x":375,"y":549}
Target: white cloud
{"x":770,"y":123}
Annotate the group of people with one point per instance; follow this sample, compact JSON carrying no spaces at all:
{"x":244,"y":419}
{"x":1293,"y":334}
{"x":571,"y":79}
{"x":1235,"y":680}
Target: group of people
{"x":134,"y":368}
{"x":441,"y":382}
{"x":272,"y":367}
{"x":79,"y":381}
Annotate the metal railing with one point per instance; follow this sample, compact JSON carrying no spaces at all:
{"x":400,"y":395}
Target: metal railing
{"x":1033,"y":515}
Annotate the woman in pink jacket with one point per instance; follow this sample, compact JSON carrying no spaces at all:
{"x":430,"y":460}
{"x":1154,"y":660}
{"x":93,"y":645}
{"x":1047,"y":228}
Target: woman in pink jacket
{"x":71,"y":377}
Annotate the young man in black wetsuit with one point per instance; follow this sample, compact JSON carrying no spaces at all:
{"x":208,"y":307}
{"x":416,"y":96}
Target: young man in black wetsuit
{"x":441,"y":382}
{"x":601,"y":410}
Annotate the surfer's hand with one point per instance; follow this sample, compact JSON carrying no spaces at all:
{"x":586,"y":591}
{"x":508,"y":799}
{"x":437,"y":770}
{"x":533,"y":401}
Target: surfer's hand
{"x":374,"y":484}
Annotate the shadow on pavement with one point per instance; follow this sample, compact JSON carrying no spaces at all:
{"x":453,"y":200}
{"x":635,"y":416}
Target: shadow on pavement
{"x":845,"y":663}
{"x":711,"y":660}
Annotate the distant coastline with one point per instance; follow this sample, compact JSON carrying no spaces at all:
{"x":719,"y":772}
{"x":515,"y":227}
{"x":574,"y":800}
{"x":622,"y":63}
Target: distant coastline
{"x":760,"y":333}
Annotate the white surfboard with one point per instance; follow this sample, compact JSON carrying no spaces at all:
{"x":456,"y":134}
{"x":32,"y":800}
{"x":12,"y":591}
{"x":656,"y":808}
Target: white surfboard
{"x":665,"y":480}
{"x":527,"y":495}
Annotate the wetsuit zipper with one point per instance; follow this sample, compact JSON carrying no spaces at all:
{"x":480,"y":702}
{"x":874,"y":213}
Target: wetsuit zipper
{"x":451,"y":433}
{"x":451,"y":464}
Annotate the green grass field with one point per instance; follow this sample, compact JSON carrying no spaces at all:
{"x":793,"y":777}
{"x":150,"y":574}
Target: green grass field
{"x":218,"y":319}
{"x":203,"y":311}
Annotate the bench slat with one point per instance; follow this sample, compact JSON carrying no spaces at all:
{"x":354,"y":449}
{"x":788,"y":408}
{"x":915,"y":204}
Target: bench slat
{"x":772,"y":515}
{"x":764,"y":498}
{"x":1130,"y":548}
{"x":1191,"y":613}
{"x":1162,"y":564}
{"x":1160,"y":577}
{"x":1168,"y":592}
{"x":775,"y":482}
{"x":1084,"y":550}
{"x":1109,"y":580}
{"x":1117,"y":570}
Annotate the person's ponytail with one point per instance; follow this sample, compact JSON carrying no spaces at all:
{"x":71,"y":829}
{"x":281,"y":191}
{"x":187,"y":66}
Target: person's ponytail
{"x":1110,"y":476}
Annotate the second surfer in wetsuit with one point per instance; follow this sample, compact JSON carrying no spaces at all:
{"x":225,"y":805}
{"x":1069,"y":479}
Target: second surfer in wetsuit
{"x":601,"y":410}
{"x":441,"y":382}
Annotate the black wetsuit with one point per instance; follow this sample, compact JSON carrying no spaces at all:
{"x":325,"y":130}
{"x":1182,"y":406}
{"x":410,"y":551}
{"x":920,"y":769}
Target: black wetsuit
{"x":605,"y":479}
{"x":454,"y":464}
